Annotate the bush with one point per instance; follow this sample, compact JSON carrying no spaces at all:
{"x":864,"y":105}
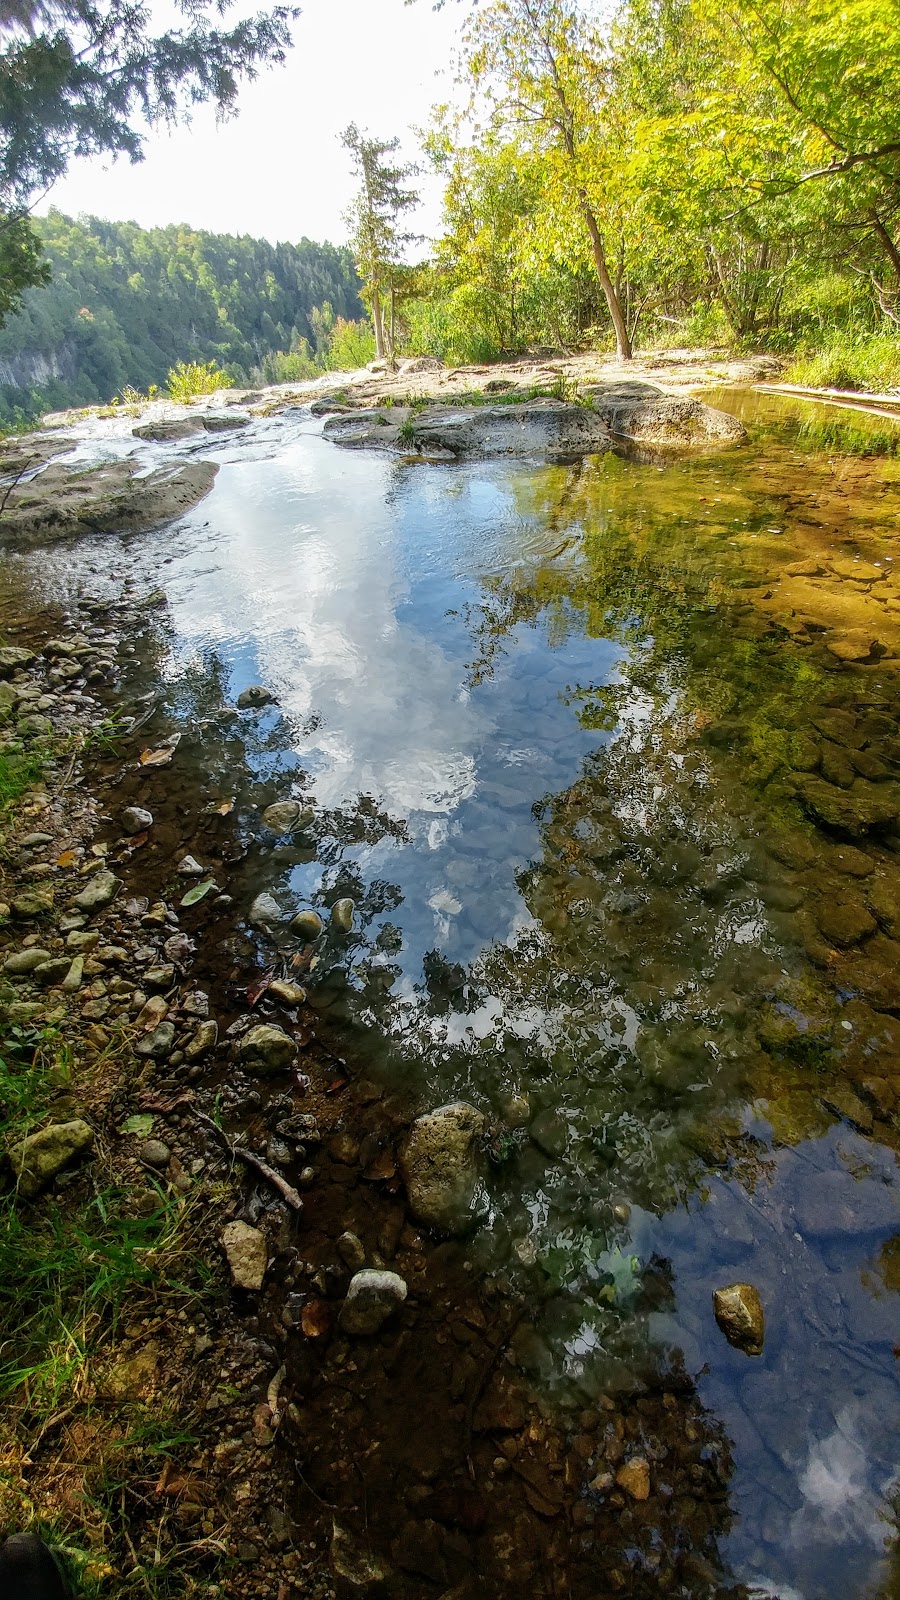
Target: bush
{"x":188,"y":378}
{"x":350,"y":345}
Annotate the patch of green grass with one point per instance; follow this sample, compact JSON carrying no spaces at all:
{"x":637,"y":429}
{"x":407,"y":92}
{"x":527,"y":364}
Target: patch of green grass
{"x":35,"y":1064}
{"x":850,"y":359}
{"x":19,"y":772}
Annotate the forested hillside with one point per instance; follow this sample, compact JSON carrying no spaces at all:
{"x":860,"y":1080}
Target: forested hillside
{"x":126,"y":303}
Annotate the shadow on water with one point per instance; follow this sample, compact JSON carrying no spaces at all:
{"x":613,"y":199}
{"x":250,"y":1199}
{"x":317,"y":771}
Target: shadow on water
{"x":621,"y":827}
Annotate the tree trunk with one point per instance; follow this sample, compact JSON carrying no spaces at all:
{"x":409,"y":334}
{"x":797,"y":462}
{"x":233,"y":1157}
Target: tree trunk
{"x":378,"y":322}
{"x":624,"y":350}
{"x":890,"y":248}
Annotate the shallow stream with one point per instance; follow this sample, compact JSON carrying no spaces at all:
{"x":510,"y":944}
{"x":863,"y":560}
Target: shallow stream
{"x":573,"y":737}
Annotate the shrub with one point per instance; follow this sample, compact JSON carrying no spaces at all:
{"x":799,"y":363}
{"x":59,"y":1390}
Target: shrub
{"x":189,"y":378}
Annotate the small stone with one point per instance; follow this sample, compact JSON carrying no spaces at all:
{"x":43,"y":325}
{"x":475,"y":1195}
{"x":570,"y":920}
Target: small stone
{"x":342,"y":915}
{"x":152,"y":1014}
{"x":550,"y":1133}
{"x":247,"y":1255}
{"x":351,"y":1252}
{"x":33,"y":904}
{"x":371,"y":1299}
{"x":189,"y":867}
{"x":53,"y":971}
{"x":267,"y":1049}
{"x":25,"y":961}
{"x":196,"y":1003}
{"x":158,"y":1044}
{"x":33,"y":841}
{"x":205,"y":1039}
{"x":74,"y":978}
{"x":255,"y":696}
{"x":287,"y":816}
{"x":307,"y":925}
{"x":12,"y":658}
{"x":290,"y":994}
{"x":634,"y":1477}
{"x":98,"y":892}
{"x":844,"y":920}
{"x":739,"y":1313}
{"x":265,"y":912}
{"x":135,"y":819}
{"x":82,"y":942}
{"x":35,"y":1161}
{"x":160,"y":977}
{"x":859,"y":571}
{"x":855,"y":646}
{"x":154,"y":1153}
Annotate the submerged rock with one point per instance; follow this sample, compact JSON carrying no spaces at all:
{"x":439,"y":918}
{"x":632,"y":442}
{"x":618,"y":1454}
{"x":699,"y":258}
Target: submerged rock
{"x":36,"y":1160}
{"x":265,"y":912}
{"x":634,"y":1478}
{"x":371,"y":1298}
{"x":247,"y":1255}
{"x":307,"y":925}
{"x":135,"y":819}
{"x":254,"y":697}
{"x":267,"y":1049}
{"x":739,"y":1313}
{"x":286,"y":816}
{"x":342,"y":915}
{"x":441,"y":1167}
{"x":854,"y":811}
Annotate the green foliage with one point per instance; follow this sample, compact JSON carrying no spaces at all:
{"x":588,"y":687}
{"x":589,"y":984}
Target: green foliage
{"x":18,"y":774}
{"x":377,"y":237}
{"x":87,"y":77}
{"x":734,"y":171}
{"x":850,"y":359}
{"x":127,"y":303}
{"x":187,"y":379}
{"x":352,"y":345}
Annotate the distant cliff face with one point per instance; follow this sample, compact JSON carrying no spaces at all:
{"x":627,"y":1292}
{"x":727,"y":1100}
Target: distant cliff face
{"x":31,"y":369}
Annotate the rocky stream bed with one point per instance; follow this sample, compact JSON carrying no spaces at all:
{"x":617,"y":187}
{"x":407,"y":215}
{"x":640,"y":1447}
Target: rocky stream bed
{"x":387,"y":1380}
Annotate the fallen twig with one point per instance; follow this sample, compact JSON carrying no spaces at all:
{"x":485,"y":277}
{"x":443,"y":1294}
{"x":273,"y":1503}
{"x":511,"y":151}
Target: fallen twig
{"x":285,"y":1189}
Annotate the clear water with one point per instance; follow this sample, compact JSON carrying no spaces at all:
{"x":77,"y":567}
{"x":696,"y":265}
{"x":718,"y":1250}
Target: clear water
{"x":547,"y":718}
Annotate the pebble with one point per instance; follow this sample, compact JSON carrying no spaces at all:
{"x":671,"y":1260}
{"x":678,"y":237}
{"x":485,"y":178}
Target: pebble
{"x":351,"y":1251}
{"x":307,"y":925}
{"x":739,"y":1313}
{"x":98,"y":892}
{"x":189,"y":867}
{"x":247,"y":1255}
{"x":634,"y":1478}
{"x":372,"y":1297}
{"x":154,"y":1153}
{"x":205,"y":1039}
{"x":25,"y":961}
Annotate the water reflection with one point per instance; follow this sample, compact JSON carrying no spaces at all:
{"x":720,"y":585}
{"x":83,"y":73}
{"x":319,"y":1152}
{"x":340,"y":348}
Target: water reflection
{"x":566,"y":744}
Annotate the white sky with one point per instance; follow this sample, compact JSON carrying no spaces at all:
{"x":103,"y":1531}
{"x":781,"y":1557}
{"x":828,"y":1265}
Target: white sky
{"x":278,"y":169}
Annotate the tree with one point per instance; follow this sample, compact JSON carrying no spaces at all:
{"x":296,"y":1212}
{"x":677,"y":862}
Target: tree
{"x":374,"y":220}
{"x":549,"y":75}
{"x":88,"y":77}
